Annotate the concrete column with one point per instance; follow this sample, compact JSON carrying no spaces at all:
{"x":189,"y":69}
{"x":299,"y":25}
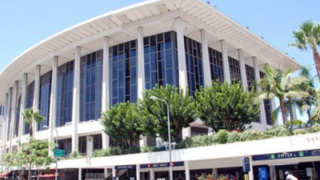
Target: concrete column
{"x":141,"y":76}
{"x":8,"y":125}
{"x":183,"y":81}
{"x":76,"y":99}
{"x":272,"y":171}
{"x":80,"y":173}
{"x":114,"y":173}
{"x":23,"y":104}
{"x":13,"y":112}
{"x":215,"y":172}
{"x":105,"y":87}
{"x":53,"y":99}
{"x":257,"y":79}
{"x":210,"y":131}
{"x":251,"y":169}
{"x":36,"y":95}
{"x":225,"y":62}
{"x":205,"y":58}
{"x":138,"y":171}
{"x":6,"y":120}
{"x":187,"y":170}
{"x":152,"y":175}
{"x":106,"y":173}
{"x":186,"y":132}
{"x":294,"y":112}
{"x":242,"y":70}
{"x":159,"y":142}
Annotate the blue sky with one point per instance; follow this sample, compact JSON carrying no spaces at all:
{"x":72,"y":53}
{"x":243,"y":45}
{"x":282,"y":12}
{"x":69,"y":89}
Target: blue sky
{"x":25,"y":23}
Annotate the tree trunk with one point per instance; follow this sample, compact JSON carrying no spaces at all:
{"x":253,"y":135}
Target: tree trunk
{"x":316,"y":58}
{"x":283,"y":110}
{"x":29,"y":172}
{"x":30,"y":130}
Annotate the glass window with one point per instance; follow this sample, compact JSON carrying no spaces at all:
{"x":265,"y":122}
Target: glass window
{"x":90,"y":85}
{"x":65,"y":94}
{"x":234,"y":70}
{"x":216,"y":65}
{"x":44,"y":99}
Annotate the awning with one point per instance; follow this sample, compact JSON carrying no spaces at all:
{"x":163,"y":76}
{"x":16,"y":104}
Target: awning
{"x":3,"y":174}
{"x":46,"y":175}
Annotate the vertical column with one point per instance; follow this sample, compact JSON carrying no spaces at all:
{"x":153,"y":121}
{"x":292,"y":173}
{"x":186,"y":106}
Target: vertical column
{"x":13,"y":112}
{"x":183,"y":81}
{"x":23,"y":103}
{"x":9,"y":117}
{"x":76,"y":99}
{"x":80,"y":173}
{"x":205,"y":58}
{"x":5,"y":120}
{"x":186,"y":132}
{"x":53,"y":98}
{"x":138,"y":171}
{"x":242,"y":70}
{"x":152,"y":177}
{"x":105,"y":87}
{"x":257,"y":79}
{"x":36,"y":94}
{"x":272,"y":171}
{"x":187,"y":170}
{"x":106,"y":173}
{"x":181,"y":55}
{"x":141,"y":77}
{"x":225,"y":61}
{"x":251,"y":169}
{"x":294,"y":112}
{"x":114,"y":174}
{"x":210,"y":131}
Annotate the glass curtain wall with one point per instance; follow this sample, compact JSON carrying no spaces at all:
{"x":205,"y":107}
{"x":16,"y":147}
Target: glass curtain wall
{"x":267,"y":106}
{"x":30,"y":91}
{"x":97,"y":143}
{"x":123,"y":73}
{"x":250,"y":82}
{"x":194,"y":64}
{"x":64,"y":94}
{"x":160,"y":64}
{"x":44,"y":99}
{"x":234,"y":66}
{"x":216,"y":65}
{"x":90,"y":86}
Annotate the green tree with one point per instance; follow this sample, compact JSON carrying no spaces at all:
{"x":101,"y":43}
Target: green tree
{"x":279,"y":84}
{"x":122,"y":123}
{"x":307,"y":36}
{"x":154,"y":112}
{"x":226,"y":106}
{"x":308,"y":102}
{"x":29,"y":116}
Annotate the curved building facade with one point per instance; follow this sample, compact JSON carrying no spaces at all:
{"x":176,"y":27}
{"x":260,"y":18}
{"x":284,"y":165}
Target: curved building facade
{"x":74,"y":75}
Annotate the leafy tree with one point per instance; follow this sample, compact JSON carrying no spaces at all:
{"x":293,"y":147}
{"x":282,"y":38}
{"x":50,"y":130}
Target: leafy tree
{"x":296,"y":122}
{"x":308,"y":36}
{"x":154,"y":112}
{"x":122,"y":123}
{"x":29,"y":116}
{"x":35,"y":153}
{"x":277,"y":83}
{"x":226,"y":106}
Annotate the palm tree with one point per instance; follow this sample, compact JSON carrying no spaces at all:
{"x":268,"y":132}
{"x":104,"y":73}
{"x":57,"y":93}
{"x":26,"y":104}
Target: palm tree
{"x":29,"y":115}
{"x":279,"y":84}
{"x":309,"y":35}
{"x":305,"y":104}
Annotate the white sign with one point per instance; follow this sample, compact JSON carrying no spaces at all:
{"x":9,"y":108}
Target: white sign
{"x":309,"y":172}
{"x":89,"y":148}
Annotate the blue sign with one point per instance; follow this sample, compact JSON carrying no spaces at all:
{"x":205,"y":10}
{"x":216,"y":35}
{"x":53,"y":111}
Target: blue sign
{"x":245,"y":164}
{"x":125,"y":167}
{"x":286,"y":155}
{"x":161,"y":165}
{"x":263,"y":174}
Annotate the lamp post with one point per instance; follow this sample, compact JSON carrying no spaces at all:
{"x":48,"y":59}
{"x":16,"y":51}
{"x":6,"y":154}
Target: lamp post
{"x":169,"y":134}
{"x":57,"y":145}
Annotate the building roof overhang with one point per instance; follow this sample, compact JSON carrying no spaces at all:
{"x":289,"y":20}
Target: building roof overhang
{"x":154,"y":16}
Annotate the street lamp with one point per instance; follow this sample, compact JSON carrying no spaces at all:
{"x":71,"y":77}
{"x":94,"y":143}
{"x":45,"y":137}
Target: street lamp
{"x":169,"y":135}
{"x":57,"y":145}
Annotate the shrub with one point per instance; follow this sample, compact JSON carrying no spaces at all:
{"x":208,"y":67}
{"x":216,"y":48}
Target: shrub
{"x":145,"y":149}
{"x":233,"y":137}
{"x":315,"y":128}
{"x":250,"y":135}
{"x":222,"y":136}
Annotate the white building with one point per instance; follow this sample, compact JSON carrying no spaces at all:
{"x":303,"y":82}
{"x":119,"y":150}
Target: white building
{"x":73,"y":75}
